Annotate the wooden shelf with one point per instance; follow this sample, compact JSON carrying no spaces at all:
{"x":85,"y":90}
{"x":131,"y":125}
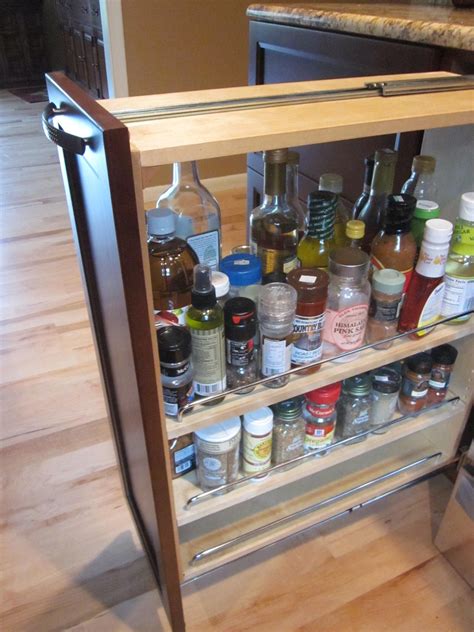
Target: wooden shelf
{"x":369,"y":359}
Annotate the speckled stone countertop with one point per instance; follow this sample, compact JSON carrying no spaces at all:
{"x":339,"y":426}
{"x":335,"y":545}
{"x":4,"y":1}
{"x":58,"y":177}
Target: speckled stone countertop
{"x":422,"y":23}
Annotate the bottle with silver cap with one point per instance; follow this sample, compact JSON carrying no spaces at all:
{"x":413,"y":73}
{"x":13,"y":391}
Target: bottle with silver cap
{"x":354,"y":408}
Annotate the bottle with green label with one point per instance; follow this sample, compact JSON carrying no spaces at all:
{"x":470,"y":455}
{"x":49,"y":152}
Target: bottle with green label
{"x":205,"y":320}
{"x":459,"y":274}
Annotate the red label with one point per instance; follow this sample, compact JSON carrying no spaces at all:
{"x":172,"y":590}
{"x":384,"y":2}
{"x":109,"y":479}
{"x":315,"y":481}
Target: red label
{"x":316,"y":411}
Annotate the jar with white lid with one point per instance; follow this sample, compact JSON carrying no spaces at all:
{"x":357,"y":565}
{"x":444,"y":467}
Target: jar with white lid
{"x":257,"y":441}
{"x":221,"y":284}
{"x":217,"y":453}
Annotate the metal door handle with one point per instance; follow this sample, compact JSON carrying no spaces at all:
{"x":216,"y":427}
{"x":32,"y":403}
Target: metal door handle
{"x":59,"y":137}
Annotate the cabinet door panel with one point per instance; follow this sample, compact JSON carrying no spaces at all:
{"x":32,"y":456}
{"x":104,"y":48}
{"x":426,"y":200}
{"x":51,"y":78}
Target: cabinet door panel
{"x":80,"y":57}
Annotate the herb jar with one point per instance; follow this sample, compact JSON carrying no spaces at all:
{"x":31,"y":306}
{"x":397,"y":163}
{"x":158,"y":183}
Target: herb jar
{"x":240,"y":327}
{"x":444,"y":358}
{"x":416,"y":376}
{"x":385,"y":304}
{"x":354,"y":408}
{"x":257,"y":441}
{"x":217,"y":453}
{"x":288,"y":430}
{"x":320,"y":417}
{"x":245,"y":275}
{"x":174,"y":345}
{"x":385,"y":387}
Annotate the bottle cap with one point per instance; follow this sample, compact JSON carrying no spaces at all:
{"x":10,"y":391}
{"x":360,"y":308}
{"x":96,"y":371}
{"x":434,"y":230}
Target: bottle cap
{"x":310,"y":283}
{"x":161,"y":221}
{"x":400,"y":209}
{"x":325,"y":395}
{"x":466,"y":208}
{"x":331,"y":182}
{"x":425,"y":209}
{"x":350,"y":263}
{"x":386,"y":156}
{"x":277,"y":304}
{"x":438,"y":231}
{"x":444,"y":354}
{"x":420,"y":363}
{"x":242,"y":269}
{"x":388,"y":281}
{"x":203,"y":294}
{"x":424,"y":164}
{"x":259,"y":422}
{"x":293,"y":158}
{"x":221,"y":283}
{"x":355,"y":229}
{"x":386,"y":380}
{"x":289,"y":409}
{"x":358,"y":385}
{"x":240,"y":318}
{"x":221,"y":432}
{"x":276,"y":156}
{"x":174,"y":344}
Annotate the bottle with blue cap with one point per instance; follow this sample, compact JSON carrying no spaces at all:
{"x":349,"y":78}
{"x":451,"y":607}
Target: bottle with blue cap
{"x":245,"y":275}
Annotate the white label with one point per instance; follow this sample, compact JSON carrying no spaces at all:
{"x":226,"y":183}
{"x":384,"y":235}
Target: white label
{"x":432,"y":309}
{"x":182,"y":467}
{"x":256,"y":452}
{"x":184,"y":453}
{"x":171,"y":409}
{"x":435,"y":384}
{"x":307,"y":279}
{"x":163,"y":318}
{"x":432,"y":260}
{"x":206,"y":246}
{"x":210,"y":389}
{"x":417,"y":394}
{"x":211,"y":464}
{"x":308,"y":347}
{"x":276,"y":356}
{"x":458,"y":295}
{"x":241,"y":262}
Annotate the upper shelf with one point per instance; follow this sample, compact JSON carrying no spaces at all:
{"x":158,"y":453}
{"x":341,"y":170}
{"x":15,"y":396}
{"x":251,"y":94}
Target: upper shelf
{"x":222,"y":133}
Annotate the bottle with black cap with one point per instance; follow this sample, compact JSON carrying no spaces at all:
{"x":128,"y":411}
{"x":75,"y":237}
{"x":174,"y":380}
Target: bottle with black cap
{"x":205,"y":320}
{"x":174,"y":345}
{"x":240,"y":329}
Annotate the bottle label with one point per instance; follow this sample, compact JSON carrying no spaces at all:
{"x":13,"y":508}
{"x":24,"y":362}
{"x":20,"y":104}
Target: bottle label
{"x":208,"y":360}
{"x":276,"y":356}
{"x":439,"y":378}
{"x":432,"y":261}
{"x":458,"y":295}
{"x":176,"y":398}
{"x":431,"y":310}
{"x":256,"y":452}
{"x":386,"y":311}
{"x":346,"y":328}
{"x":163,"y":318}
{"x":175,"y":371}
{"x":415,"y":389}
{"x":184,"y":460}
{"x":463,"y":239}
{"x":319,"y":435}
{"x":308,"y":345}
{"x":239,"y":353}
{"x":206,"y":246}
{"x":317,"y":411}
{"x":378,"y":265}
{"x":290,"y":263}
{"x":276,"y":260}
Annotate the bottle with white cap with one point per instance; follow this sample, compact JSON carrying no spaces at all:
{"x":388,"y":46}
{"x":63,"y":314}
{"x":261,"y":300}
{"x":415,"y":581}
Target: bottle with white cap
{"x":257,"y":441}
{"x":172,"y":262}
{"x":221,"y":284}
{"x":459,"y":276}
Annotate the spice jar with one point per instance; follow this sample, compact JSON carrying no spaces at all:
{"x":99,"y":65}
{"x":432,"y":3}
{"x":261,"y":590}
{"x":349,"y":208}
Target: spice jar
{"x":444,"y":358}
{"x":183,"y":455}
{"x":245,"y":275}
{"x":276,"y":313}
{"x":221,"y":284}
{"x":312,"y":289}
{"x":354,"y":408}
{"x":217,"y":453}
{"x":347,"y":303}
{"x":257,"y":441}
{"x":320,"y":416}
{"x":174,"y":345}
{"x":385,"y":387}
{"x":416,"y":375}
{"x":240,"y":326}
{"x":288,"y":430}
{"x":385,"y":304}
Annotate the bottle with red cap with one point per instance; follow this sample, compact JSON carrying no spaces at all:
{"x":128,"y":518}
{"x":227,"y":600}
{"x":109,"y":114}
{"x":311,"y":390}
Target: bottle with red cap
{"x":320,"y":416}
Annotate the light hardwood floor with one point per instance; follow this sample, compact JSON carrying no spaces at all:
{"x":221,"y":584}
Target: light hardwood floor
{"x":70,"y":555}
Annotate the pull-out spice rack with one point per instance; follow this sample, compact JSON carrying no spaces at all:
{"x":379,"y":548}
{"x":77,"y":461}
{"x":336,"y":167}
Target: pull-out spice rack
{"x":109,"y":153}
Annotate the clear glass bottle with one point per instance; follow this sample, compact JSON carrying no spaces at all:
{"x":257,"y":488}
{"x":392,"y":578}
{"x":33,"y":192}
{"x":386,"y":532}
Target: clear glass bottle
{"x":292,"y":193}
{"x":288,"y":430}
{"x":385,"y":387}
{"x":385,"y":303}
{"x":413,"y":395}
{"x":364,"y":196}
{"x":320,"y":417}
{"x":355,"y":231}
{"x":354,"y":408}
{"x":240,"y":329}
{"x":198,"y":216}
{"x":334,"y":183}
{"x":443,"y":358}
{"x":313,"y":249}
{"x":422,"y":182}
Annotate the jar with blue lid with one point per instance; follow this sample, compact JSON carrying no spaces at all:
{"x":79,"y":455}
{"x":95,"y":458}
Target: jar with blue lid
{"x":245,"y":275}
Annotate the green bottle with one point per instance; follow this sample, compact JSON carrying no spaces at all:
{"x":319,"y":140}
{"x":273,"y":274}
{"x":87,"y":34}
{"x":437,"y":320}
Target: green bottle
{"x":205,"y":320}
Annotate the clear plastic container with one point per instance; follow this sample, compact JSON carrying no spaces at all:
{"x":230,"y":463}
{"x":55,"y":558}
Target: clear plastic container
{"x":245,"y":275}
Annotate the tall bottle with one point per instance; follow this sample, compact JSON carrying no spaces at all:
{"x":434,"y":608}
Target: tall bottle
{"x":292,"y":193}
{"x":205,"y":320}
{"x":313,"y":249}
{"x":273,"y":226}
{"x":459,"y":276}
{"x":364,"y":196}
{"x":373,"y":212}
{"x":422,"y":183}
{"x":355,"y":231}
{"x":334,"y":183}
{"x":198,"y":214}
{"x":422,"y":304}
{"x":172,"y":262}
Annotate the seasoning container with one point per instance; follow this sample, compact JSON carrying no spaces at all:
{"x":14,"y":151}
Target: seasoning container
{"x":444,"y":358}
{"x":416,"y":375}
{"x":354,"y":408}
{"x":245,"y":275}
{"x":385,"y":387}
{"x":183,"y":455}
{"x":288,"y":430}
{"x":276,"y":313}
{"x":385,"y":305}
{"x":257,"y":441}
{"x":312,"y":289}
{"x":221,"y":284}
{"x":320,"y":417}
{"x":347,"y":304}
{"x":174,"y":345}
{"x":217,"y":453}
{"x":240,"y":327}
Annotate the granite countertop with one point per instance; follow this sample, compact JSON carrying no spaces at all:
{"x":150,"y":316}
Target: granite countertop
{"x":423,"y":23}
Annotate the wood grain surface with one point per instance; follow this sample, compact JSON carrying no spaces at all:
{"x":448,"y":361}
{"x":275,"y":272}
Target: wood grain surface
{"x":70,"y":556}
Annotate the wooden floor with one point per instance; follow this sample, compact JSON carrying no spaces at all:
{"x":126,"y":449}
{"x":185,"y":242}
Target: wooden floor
{"x":70,"y":556}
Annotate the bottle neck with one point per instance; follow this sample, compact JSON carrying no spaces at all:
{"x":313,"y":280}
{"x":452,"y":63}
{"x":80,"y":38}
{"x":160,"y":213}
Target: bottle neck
{"x":292,"y":182}
{"x":160,"y":239}
{"x":382,"y":180}
{"x":274,"y":180}
{"x":185,"y":172}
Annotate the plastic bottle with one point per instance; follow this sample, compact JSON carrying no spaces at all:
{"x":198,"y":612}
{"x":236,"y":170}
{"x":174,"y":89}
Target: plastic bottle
{"x":422,"y":183}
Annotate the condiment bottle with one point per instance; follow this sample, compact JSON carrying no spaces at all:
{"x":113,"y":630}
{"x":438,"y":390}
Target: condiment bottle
{"x":313,"y":249}
{"x":421,"y":183}
{"x":205,"y":320}
{"x":292,"y":193}
{"x":422,"y":304}
{"x":424,"y":211}
{"x":348,"y":302}
{"x":217,"y":453}
{"x":394,"y":246}
{"x":288,"y":430}
{"x":320,"y":416}
{"x":245,"y":275}
{"x":276,"y":314}
{"x":334,"y":183}
{"x":416,"y":375}
{"x":385,"y":387}
{"x":355,"y":231}
{"x":364,"y":196}
{"x":257,"y":441}
{"x":240,"y":328}
{"x":312,"y":289}
{"x":444,"y":358}
{"x":385,"y":303}
{"x":174,"y":345}
{"x":221,"y":284}
{"x":354,"y":408}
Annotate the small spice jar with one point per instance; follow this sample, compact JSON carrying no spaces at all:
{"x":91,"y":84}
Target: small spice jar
{"x":444,"y":358}
{"x":245,"y":275}
{"x":312,"y":290}
{"x":183,"y":455}
{"x":385,"y":304}
{"x":385,"y":387}
{"x":354,"y":408}
{"x":320,"y":417}
{"x":288,"y":430}
{"x":221,"y":284}
{"x":416,"y":375}
{"x":257,"y":441}
{"x":174,"y":345}
{"x":217,"y":453}
{"x":240,"y":327}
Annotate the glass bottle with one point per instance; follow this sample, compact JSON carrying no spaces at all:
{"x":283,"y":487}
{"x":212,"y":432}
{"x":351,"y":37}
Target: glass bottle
{"x":364,"y":196}
{"x":354,"y":408}
{"x":240,"y":329}
{"x":205,"y":320}
{"x":334,"y":183}
{"x":288,"y":430}
{"x":273,"y":226}
{"x":459,"y":274}
{"x":198,"y":216}
{"x":424,"y":211}
{"x":373,"y":211}
{"x":245,"y":275}
{"x":320,"y":416}
{"x":355,"y":231}
{"x":172,"y":263}
{"x":313,"y":249}
{"x":443,"y":358}
{"x":416,"y":375}
{"x":385,"y":387}
{"x":174,"y":345}
{"x":421,"y":183}
{"x":385,"y":303}
{"x":292,"y":193}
